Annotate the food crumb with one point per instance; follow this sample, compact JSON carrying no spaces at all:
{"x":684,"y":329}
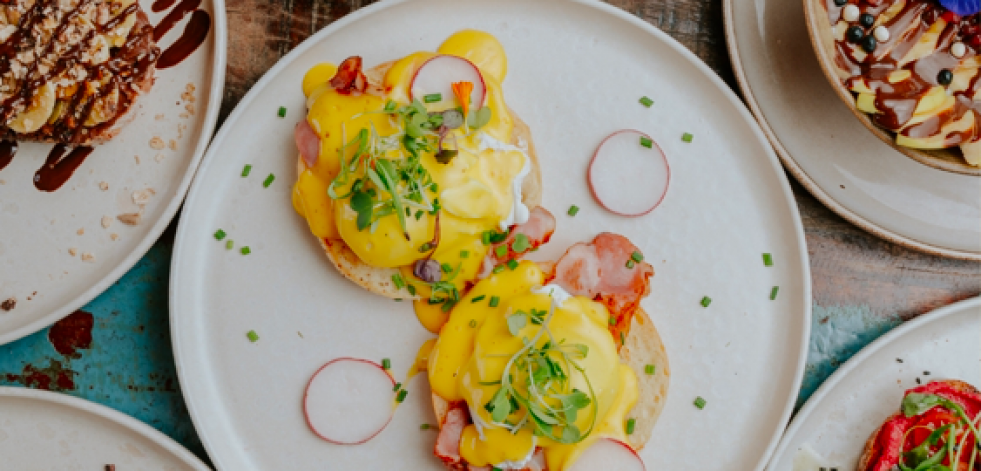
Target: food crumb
{"x":110,"y":467}
{"x":9,"y":304}
{"x":114,"y":236}
{"x":172,"y":144}
{"x":106,"y":222}
{"x":159,"y":117}
{"x":159,"y":157}
{"x":103,"y":186}
{"x":88,"y":257}
{"x":137,"y":158}
{"x":3,"y":182}
{"x":157,"y":143}
{"x":184,"y":115}
{"x":130,"y":219}
{"x":72,"y":251}
{"x":142,"y":197}
{"x":190,"y":108}
{"x":81,"y":231}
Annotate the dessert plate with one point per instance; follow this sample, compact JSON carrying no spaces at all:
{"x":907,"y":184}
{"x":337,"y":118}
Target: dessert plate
{"x":60,"y":249}
{"x":840,"y":162}
{"x":841,"y":415}
{"x":576,"y":70}
{"x":41,"y":430}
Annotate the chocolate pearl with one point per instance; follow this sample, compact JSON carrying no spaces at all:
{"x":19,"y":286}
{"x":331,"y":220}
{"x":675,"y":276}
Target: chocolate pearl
{"x":866,"y":20}
{"x":841,"y":3}
{"x":868,"y":44}
{"x":945,"y":77}
{"x":854,"y":34}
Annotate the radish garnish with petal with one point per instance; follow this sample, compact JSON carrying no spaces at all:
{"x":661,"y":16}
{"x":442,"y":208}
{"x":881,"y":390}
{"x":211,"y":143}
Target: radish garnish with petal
{"x":438,"y":75}
{"x":608,"y":454}
{"x":348,"y":401}
{"x":626,"y":176}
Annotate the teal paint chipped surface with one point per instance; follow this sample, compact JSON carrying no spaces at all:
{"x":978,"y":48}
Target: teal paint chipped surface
{"x":838,"y":333}
{"x":129,"y":364}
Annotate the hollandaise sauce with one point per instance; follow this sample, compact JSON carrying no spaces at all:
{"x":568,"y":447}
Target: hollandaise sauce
{"x":415,"y":183}
{"x":537,"y":369}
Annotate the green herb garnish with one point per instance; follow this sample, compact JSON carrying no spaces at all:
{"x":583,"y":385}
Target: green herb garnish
{"x":687,"y":137}
{"x":647,"y":102}
{"x":386,"y":363}
{"x":773,"y":293}
{"x":401,"y":396}
{"x":246,"y":170}
{"x":253,"y":337}
{"x":494,"y":300}
{"x":478,"y":298}
{"x":649,"y":369}
{"x":220,"y":234}
{"x":573,"y":210}
{"x":246,"y":250}
{"x":699,"y":402}
{"x":767,"y":260}
{"x":631,"y":423}
{"x":433,"y":98}
{"x":706,"y":301}
{"x":282,"y":112}
{"x":646,"y":142}
{"x":521,"y":244}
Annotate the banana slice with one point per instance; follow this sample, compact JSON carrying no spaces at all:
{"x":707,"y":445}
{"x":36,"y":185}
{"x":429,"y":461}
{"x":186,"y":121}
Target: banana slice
{"x":972,"y":152}
{"x":105,"y":108}
{"x":37,"y":113}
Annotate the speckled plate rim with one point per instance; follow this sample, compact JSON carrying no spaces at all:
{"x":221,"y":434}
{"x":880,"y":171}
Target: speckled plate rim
{"x":215,"y":94}
{"x":791,"y":165}
{"x":864,"y":354}
{"x":734,"y":99}
{"x":97,"y":410}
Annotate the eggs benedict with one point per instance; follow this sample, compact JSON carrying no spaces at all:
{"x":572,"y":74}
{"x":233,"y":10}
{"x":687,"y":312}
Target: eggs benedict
{"x":411,"y":172}
{"x":538,"y":363}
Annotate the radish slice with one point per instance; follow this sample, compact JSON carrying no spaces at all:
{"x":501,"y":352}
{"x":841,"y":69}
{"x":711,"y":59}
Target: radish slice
{"x":348,"y":401}
{"x":627,"y":178}
{"x":307,"y":142}
{"x":608,"y":454}
{"x":439,"y":74}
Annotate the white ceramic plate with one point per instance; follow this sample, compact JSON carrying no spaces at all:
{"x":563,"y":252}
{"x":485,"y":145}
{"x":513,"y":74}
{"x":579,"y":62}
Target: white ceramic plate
{"x":38,"y":230}
{"x":829,"y":151}
{"x":41,"y":430}
{"x":576,"y":72}
{"x":838,"y":419}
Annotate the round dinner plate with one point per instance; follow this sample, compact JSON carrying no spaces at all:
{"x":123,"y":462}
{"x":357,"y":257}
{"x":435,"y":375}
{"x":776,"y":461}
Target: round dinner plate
{"x":42,"y":430}
{"x":841,"y":415}
{"x":576,"y":71}
{"x":831,"y":153}
{"x":56,"y":251}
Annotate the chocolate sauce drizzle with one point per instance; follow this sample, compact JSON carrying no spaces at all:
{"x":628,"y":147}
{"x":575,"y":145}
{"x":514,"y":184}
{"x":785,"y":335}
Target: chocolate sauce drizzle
{"x":7,"y":151}
{"x":58,"y":167}
{"x":897,"y":102}
{"x":194,"y":35}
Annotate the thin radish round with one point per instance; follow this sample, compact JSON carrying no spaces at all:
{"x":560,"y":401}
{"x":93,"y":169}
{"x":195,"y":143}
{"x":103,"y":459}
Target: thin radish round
{"x":438,"y":75}
{"x":626,"y":177}
{"x":606,"y":453}
{"x":348,"y":401}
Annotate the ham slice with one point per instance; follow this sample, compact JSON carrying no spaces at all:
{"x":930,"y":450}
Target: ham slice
{"x":450,"y":432}
{"x":349,"y":77}
{"x":307,"y":142}
{"x":598,"y":270}
{"x":538,"y":229}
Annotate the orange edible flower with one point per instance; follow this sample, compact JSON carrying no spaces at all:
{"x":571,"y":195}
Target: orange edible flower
{"x":462,"y":90}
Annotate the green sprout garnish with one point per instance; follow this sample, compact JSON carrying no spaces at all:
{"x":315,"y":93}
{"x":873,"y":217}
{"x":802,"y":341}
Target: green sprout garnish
{"x":536,"y":386}
{"x":921,"y":457}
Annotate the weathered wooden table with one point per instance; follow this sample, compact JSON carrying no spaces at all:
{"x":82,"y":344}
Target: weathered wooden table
{"x":117,"y":351}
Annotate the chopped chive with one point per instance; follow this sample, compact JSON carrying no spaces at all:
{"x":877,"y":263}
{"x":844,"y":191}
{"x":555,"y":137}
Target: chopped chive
{"x":425,"y":247}
{"x":433,"y":98}
{"x":646,"y":142}
{"x":631,"y":423}
{"x":630,"y":263}
{"x":412,"y":289}
{"x":446,"y":267}
{"x":448,"y":305}
{"x":397,"y":387}
{"x":687,"y":137}
{"x":512,"y":264}
{"x":401,"y":396}
{"x":229,"y":244}
{"x":434,"y":187}
{"x":649,"y":369}
{"x":521,"y":243}
{"x":398,"y":280}
{"x":767,"y":260}
{"x":220,"y":234}
{"x":425,"y":427}
{"x":706,"y":301}
{"x":573,"y":210}
{"x":386,"y":363}
{"x":268,"y":181}
{"x":253,"y":337}
{"x":390,"y":105}
{"x":773,"y":293}
{"x":419,"y":214}
{"x":282,"y":111}
{"x":699,"y":402}
{"x":501,"y":251}
{"x":494,"y":300}
{"x":246,"y":250}
{"x":646,"y":101}
{"x":497,"y":269}
{"x":464,"y":254}
{"x":473,"y":323}
{"x":246,"y":170}
{"x":478,"y":298}
{"x":485,"y":238}
{"x":623,"y":339}
{"x":637,"y":256}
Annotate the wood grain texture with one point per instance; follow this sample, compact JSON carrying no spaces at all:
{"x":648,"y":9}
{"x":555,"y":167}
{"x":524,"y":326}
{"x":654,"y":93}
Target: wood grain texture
{"x":849,"y":266}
